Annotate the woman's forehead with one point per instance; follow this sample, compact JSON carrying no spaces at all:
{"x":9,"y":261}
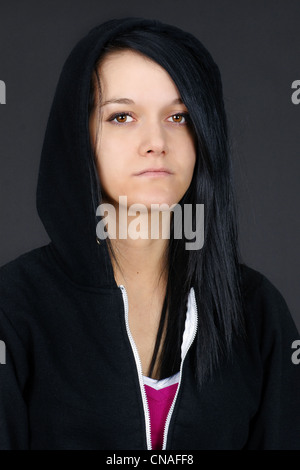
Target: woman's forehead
{"x":129,"y":75}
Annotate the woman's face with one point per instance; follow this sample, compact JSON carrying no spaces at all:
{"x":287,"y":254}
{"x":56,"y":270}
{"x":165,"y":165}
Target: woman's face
{"x":142,"y":127}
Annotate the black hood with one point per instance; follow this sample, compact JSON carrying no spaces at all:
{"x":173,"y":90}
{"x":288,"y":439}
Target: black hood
{"x":64,"y":192}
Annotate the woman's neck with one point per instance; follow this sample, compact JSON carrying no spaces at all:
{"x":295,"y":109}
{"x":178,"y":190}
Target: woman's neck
{"x":140,"y":262}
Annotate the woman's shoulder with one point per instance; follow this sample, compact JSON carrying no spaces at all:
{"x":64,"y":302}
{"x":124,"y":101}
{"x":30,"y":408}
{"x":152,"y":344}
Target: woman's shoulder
{"x":21,"y":272}
{"x":264,"y":303}
{"x":255,"y":283}
{"x":24,"y":262}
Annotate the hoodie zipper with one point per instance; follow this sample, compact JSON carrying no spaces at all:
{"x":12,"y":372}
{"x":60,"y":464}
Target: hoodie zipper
{"x":184,"y":353}
{"x":139,"y":370}
{"x":140,"y":374}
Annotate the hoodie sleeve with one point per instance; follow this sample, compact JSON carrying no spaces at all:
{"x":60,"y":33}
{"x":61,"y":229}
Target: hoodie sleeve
{"x":276,"y":425}
{"x":13,"y":378}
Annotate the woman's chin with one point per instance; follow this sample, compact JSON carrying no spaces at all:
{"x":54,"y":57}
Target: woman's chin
{"x":152,"y":201}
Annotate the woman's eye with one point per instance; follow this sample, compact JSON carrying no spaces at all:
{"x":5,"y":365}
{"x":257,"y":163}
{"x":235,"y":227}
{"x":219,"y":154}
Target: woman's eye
{"x":125,"y":118}
{"x":179,"y":118}
{"x":121,"y":118}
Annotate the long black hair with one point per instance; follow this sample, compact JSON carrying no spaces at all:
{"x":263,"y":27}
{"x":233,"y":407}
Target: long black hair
{"x":214,"y":270}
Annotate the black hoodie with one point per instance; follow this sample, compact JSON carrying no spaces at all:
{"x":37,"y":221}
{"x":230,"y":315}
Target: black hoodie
{"x":69,"y":379}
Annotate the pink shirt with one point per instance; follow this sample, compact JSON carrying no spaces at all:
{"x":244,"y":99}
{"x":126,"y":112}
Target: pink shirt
{"x":159,"y":402}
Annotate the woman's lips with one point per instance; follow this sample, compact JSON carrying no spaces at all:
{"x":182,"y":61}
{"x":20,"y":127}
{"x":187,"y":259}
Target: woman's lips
{"x":160,"y":172}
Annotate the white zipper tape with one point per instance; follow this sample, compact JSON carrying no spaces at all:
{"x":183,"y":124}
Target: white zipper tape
{"x":139,"y":370}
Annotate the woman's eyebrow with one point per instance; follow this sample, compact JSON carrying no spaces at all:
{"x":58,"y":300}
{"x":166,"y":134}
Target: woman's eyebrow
{"x":129,"y":101}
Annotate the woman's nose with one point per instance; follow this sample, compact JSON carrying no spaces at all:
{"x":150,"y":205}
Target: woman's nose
{"x":153,"y":140}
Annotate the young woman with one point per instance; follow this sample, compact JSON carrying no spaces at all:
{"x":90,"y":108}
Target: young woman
{"x":123,"y":334}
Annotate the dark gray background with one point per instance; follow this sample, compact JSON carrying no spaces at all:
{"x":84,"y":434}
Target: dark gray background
{"x":257,"y":47}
